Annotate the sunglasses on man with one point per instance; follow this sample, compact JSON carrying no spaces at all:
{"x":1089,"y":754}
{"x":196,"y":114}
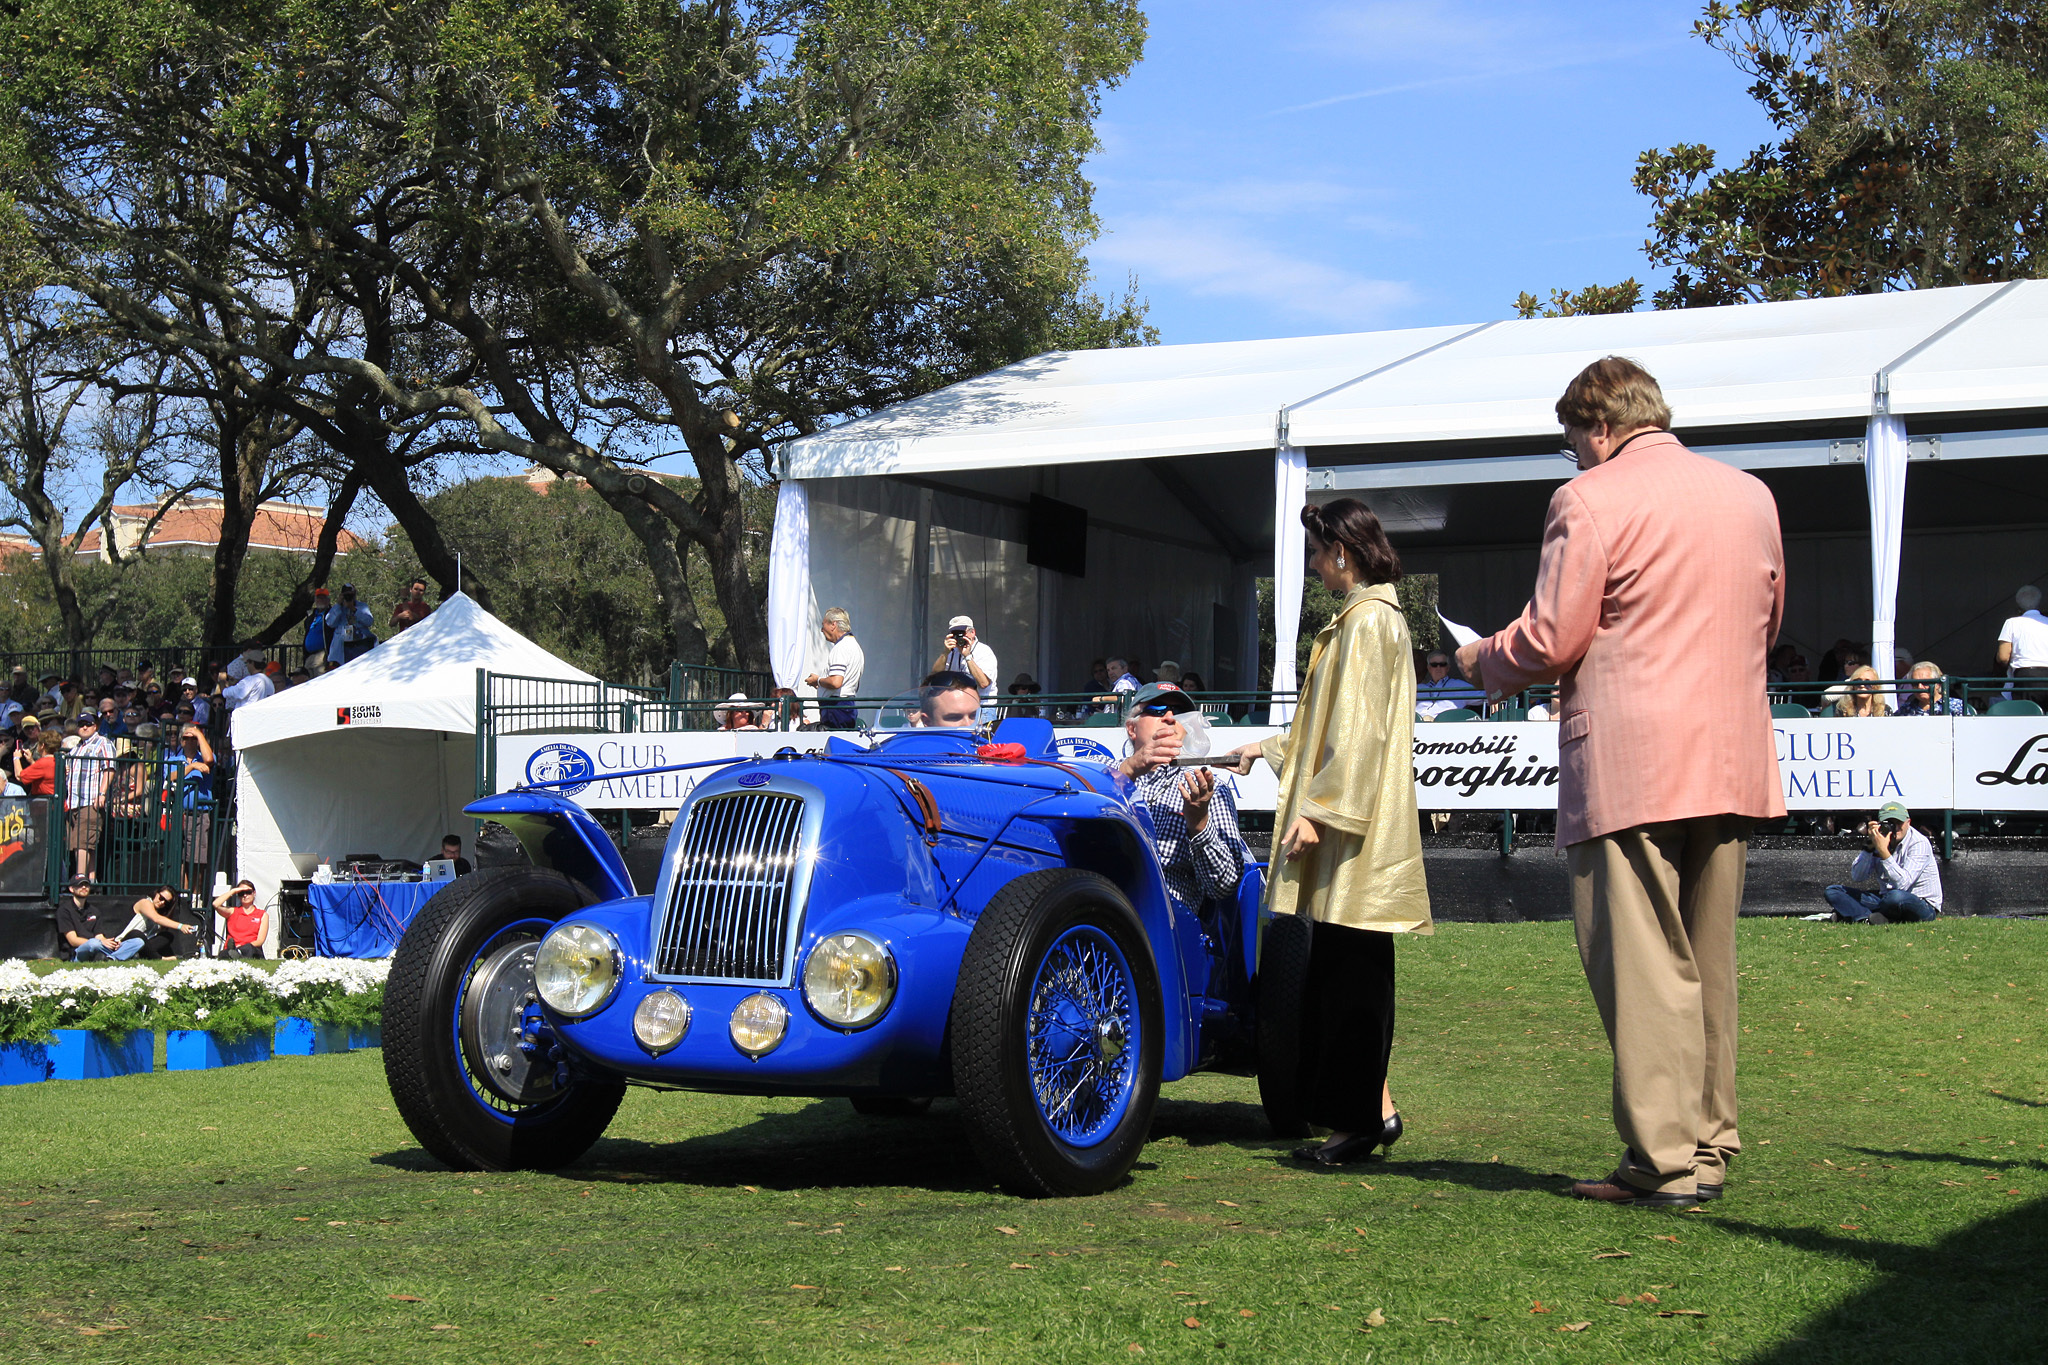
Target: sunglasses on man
{"x":1153,"y":708}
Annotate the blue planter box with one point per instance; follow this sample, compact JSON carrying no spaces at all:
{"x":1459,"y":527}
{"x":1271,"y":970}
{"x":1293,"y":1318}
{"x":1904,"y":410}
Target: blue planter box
{"x":197,"y":1050}
{"x":24,"y":1063}
{"x":304,"y":1038}
{"x":79,"y":1054}
{"x":373,"y":1036}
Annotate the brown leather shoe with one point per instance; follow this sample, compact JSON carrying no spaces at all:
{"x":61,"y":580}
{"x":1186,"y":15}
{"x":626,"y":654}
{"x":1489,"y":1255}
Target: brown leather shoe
{"x":1615,"y":1190}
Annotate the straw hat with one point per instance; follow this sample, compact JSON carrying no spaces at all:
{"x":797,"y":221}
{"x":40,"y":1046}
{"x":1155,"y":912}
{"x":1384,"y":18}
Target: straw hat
{"x":738,"y":701}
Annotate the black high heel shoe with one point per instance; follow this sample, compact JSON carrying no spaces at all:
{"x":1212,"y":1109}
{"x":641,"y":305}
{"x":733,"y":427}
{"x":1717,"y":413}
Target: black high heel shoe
{"x":1357,"y":1147}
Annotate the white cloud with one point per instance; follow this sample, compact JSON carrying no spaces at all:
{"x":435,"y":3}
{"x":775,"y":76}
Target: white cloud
{"x":1211,"y":259}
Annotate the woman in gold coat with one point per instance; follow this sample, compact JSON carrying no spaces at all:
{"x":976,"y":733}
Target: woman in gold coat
{"x":1349,"y":855}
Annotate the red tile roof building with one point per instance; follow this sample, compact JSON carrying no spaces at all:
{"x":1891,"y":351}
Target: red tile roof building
{"x":192,"y":526}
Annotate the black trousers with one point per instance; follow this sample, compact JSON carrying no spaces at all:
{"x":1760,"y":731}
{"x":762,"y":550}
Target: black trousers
{"x":1347,"y":1027}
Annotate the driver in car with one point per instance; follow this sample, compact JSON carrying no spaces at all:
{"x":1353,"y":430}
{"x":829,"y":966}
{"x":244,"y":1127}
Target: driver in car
{"x":947,"y":701}
{"x":1194,"y":820}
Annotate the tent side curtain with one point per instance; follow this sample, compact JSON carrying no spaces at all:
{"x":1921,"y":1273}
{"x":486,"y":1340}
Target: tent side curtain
{"x":793,"y":611}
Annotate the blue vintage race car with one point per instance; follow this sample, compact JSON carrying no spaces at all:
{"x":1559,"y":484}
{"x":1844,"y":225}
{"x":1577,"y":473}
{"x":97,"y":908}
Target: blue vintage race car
{"x":929,"y":916}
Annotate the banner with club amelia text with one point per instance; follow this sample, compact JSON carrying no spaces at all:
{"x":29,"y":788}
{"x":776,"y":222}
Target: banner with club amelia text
{"x":1825,"y":764}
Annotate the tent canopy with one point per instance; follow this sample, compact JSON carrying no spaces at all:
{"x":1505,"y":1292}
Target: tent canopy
{"x":392,"y":779}
{"x":419,"y":679}
{"x":1449,"y":433}
{"x":1971,"y":349}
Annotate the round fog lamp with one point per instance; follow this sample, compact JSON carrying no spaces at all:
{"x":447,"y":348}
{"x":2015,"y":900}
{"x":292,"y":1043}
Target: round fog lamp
{"x":576,"y":969}
{"x":849,"y":979}
{"x":758,"y":1023}
{"x":660,"y":1021}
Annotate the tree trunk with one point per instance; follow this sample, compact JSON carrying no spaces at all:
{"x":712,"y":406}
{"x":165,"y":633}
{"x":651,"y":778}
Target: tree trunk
{"x":301,"y":603}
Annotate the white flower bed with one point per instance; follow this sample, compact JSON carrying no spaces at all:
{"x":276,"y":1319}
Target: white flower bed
{"x":215,"y":981}
{"x":30,"y":1003}
{"x":195,"y":989}
{"x":309,"y":975}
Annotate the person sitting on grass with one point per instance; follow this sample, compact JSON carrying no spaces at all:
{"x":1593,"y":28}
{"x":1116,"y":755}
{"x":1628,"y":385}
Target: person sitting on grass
{"x":160,"y":932}
{"x":92,"y":932}
{"x":1896,"y":876}
{"x":245,"y":921}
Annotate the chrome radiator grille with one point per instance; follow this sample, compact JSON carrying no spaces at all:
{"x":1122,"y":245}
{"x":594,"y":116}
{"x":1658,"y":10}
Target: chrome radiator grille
{"x":731,"y":902}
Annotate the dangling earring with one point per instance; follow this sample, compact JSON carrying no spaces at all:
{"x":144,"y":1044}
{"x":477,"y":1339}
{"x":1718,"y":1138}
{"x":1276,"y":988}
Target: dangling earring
{"x":1340,"y":559}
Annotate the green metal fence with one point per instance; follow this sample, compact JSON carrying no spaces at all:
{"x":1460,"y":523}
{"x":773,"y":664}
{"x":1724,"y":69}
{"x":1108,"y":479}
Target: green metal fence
{"x":134,"y":822}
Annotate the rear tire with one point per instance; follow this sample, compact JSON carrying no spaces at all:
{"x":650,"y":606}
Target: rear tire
{"x":1058,"y":1034}
{"x":1282,"y":990}
{"x":455,"y":981}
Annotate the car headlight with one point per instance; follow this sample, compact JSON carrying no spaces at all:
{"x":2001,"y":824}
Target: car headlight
{"x":758,"y":1023}
{"x":849,"y":979}
{"x":576,"y":969}
{"x":660,"y":1020}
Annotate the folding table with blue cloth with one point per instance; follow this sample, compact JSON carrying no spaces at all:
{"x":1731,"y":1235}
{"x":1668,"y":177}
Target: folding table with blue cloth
{"x":365,"y":919}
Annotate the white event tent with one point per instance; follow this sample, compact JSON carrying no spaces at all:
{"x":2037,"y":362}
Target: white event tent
{"x":378,"y":755}
{"x":1192,"y":462}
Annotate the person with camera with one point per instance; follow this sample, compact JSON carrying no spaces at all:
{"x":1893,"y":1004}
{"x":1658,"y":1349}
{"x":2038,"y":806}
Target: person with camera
{"x":351,"y":629}
{"x":1896,"y":876}
{"x":965,"y":653}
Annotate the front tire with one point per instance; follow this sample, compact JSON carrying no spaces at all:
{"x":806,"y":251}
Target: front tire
{"x":460,"y":980}
{"x":1058,"y":1034}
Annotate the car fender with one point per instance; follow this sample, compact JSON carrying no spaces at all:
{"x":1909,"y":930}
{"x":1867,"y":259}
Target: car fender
{"x":559,"y":834}
{"x":1100,"y":835}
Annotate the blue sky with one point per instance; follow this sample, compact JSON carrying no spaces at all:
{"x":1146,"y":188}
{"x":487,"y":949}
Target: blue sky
{"x":1294,"y":169}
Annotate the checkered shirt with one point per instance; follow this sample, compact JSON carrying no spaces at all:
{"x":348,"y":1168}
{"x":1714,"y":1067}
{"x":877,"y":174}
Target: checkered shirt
{"x":1207,"y":865}
{"x":91,"y":763}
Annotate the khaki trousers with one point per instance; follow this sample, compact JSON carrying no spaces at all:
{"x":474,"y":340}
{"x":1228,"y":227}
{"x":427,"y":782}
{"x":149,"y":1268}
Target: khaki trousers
{"x":1655,"y":910}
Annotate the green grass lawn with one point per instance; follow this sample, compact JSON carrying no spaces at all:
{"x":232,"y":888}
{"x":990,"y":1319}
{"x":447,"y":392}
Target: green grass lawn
{"x":1891,"y":1203}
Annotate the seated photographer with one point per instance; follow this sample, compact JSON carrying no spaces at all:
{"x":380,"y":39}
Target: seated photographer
{"x":1194,"y":821}
{"x":947,"y":701}
{"x":1897,"y":875}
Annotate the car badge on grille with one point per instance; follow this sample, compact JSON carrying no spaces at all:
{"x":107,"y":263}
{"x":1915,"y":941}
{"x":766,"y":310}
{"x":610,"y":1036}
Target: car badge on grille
{"x":753,"y":779}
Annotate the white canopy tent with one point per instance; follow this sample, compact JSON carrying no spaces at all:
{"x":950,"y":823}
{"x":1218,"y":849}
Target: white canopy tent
{"x":378,"y":755}
{"x":1187,"y":459}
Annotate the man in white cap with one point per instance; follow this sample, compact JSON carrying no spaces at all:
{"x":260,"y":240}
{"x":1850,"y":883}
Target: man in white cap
{"x":965,"y":653}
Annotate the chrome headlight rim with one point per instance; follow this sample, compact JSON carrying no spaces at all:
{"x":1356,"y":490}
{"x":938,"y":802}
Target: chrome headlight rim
{"x":618,"y":967}
{"x":891,"y":980}
{"x":782,"y":1018}
{"x":654,"y":1048}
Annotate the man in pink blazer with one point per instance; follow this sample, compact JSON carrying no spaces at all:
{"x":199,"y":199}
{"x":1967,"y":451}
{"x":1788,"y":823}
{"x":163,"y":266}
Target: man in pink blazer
{"x":1658,"y":565}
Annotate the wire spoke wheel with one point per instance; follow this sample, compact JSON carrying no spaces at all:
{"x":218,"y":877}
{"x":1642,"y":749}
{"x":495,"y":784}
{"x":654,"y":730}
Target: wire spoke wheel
{"x":1058,"y":1034}
{"x":1083,"y":1017}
